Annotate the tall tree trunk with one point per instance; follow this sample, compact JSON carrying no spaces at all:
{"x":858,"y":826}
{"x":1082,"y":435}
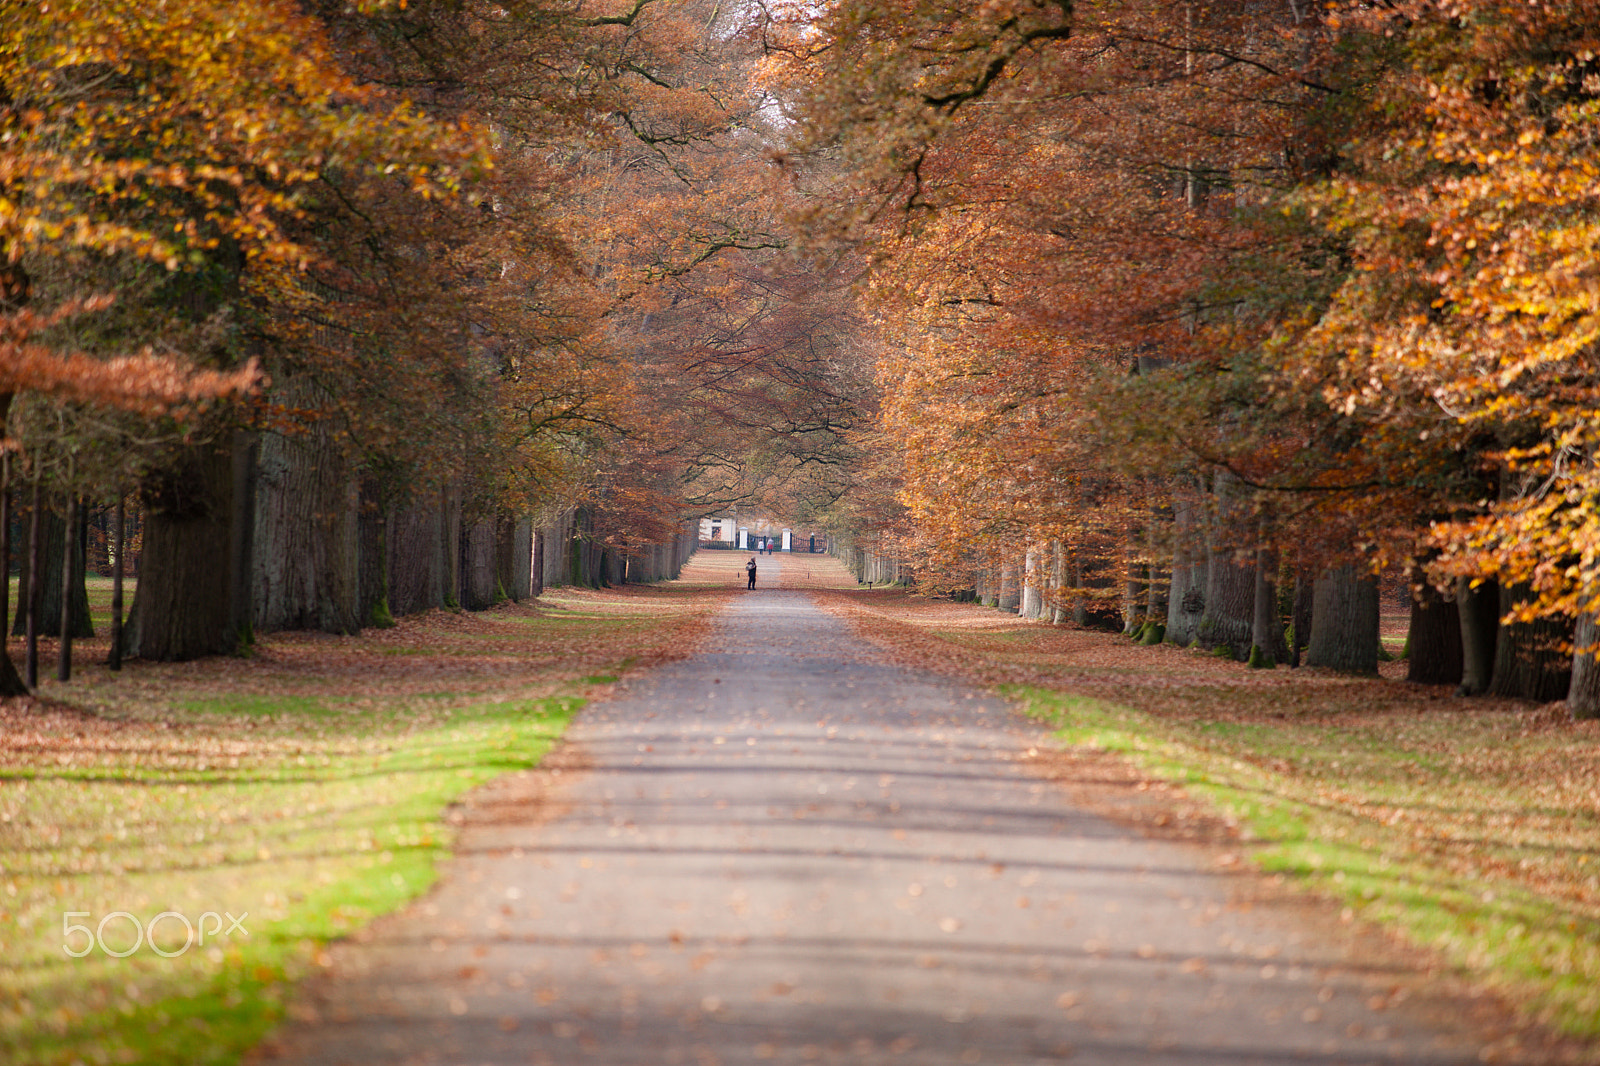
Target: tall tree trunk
{"x":1186,"y":598}
{"x":31,"y":582}
{"x":11,"y":683}
{"x":536,"y":574}
{"x":1301,"y":613}
{"x":68,"y":567}
{"x":1433,"y":641}
{"x":1010,"y":587}
{"x":1583,"y":697}
{"x":1531,"y":661}
{"x":1032,"y":578}
{"x":182,"y":607}
{"x":1479,"y":611}
{"x":57,"y":544}
{"x":1080,"y":600}
{"x":478,"y":558}
{"x":1155,"y":606}
{"x":415,"y":573}
{"x":1230,"y":597}
{"x":1266,"y":626}
{"x":307,"y":532}
{"x":1058,"y":582}
{"x":1135,"y":585}
{"x":1344,"y":622}
{"x":119,"y":547}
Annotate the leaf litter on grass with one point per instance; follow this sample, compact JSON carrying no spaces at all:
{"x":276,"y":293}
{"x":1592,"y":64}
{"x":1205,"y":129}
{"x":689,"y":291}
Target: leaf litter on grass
{"x":304,"y":788}
{"x":1471,"y":825}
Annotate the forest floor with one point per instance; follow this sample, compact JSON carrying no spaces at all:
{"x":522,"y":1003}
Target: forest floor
{"x":304,"y":790}
{"x":1466,"y":827}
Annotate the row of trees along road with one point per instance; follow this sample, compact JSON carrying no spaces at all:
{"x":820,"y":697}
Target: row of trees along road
{"x":1200,"y":314}
{"x":1190,"y":316}
{"x":376,"y":307}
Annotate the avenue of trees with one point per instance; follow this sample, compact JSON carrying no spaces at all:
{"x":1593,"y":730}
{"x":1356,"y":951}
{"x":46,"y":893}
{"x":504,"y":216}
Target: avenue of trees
{"x":361,"y":309}
{"x":1199,"y":314}
{"x":1185,"y":317}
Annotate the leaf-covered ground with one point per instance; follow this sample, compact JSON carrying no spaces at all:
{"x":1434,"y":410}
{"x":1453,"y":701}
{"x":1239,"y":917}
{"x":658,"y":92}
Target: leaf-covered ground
{"x":307,"y":788}
{"x":1471,"y":825}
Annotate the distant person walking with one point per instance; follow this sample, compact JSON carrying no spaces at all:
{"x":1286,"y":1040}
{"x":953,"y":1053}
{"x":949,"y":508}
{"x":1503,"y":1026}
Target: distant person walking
{"x":750,"y":569}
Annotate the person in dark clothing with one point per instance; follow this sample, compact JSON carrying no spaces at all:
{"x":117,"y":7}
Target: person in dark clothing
{"x":750,"y":568}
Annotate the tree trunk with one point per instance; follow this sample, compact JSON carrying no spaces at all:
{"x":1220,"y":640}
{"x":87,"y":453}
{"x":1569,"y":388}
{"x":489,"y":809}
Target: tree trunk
{"x":246,"y":457}
{"x":1058,"y":582}
{"x":1433,"y":641}
{"x":56,"y":545}
{"x":1135,"y":586}
{"x":1344,"y":622}
{"x":478,"y":571}
{"x":1186,"y":598}
{"x":1301,"y":613}
{"x":1266,"y":627}
{"x":1032,"y":575}
{"x":1530,"y":660}
{"x":1479,"y":611}
{"x":31,"y":584}
{"x":416,"y":574}
{"x":307,"y":535}
{"x":1010,"y":587}
{"x":182,"y":607}
{"x":66,"y":589}
{"x":119,"y":548}
{"x":372,"y":557}
{"x":1583,"y":697}
{"x":11,"y":683}
{"x":536,"y":575}
{"x":1155,"y":607}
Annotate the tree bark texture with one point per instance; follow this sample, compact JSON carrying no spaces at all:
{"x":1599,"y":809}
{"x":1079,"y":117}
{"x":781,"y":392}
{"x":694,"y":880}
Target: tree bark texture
{"x":307,"y":535}
{"x":372,"y":551}
{"x":416,"y":560}
{"x":1058,"y":582}
{"x":1479,"y":611}
{"x":30,"y":585}
{"x":1160,"y":576}
{"x":119,"y":545}
{"x":478,"y":572}
{"x":53,"y":547}
{"x":521,"y":586}
{"x":182,"y":606}
{"x":1010,"y":588}
{"x":1230,"y":596}
{"x":242,"y":532}
{"x":1305,"y":585}
{"x":1583,"y":697}
{"x":536,"y":575}
{"x":1344,"y":622}
{"x":1267,"y":646}
{"x":11,"y":683}
{"x":69,"y":571}
{"x":1135,"y":585}
{"x":1032,"y":595}
{"x":1433,"y":640}
{"x":1530,"y":659}
{"x":1186,"y":598}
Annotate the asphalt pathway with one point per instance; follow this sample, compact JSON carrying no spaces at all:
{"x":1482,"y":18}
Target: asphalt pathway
{"x":782,"y":850}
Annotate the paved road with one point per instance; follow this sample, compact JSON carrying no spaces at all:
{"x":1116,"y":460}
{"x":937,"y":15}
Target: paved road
{"x":786,"y":852}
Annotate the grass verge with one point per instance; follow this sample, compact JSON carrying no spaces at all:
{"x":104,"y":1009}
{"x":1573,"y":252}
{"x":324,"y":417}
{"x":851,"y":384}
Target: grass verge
{"x":1346,"y":836}
{"x":1472,"y":826}
{"x":304,"y":791}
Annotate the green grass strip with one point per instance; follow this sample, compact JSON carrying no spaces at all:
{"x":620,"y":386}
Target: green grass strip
{"x":313,"y":831}
{"x":1537,"y":949}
